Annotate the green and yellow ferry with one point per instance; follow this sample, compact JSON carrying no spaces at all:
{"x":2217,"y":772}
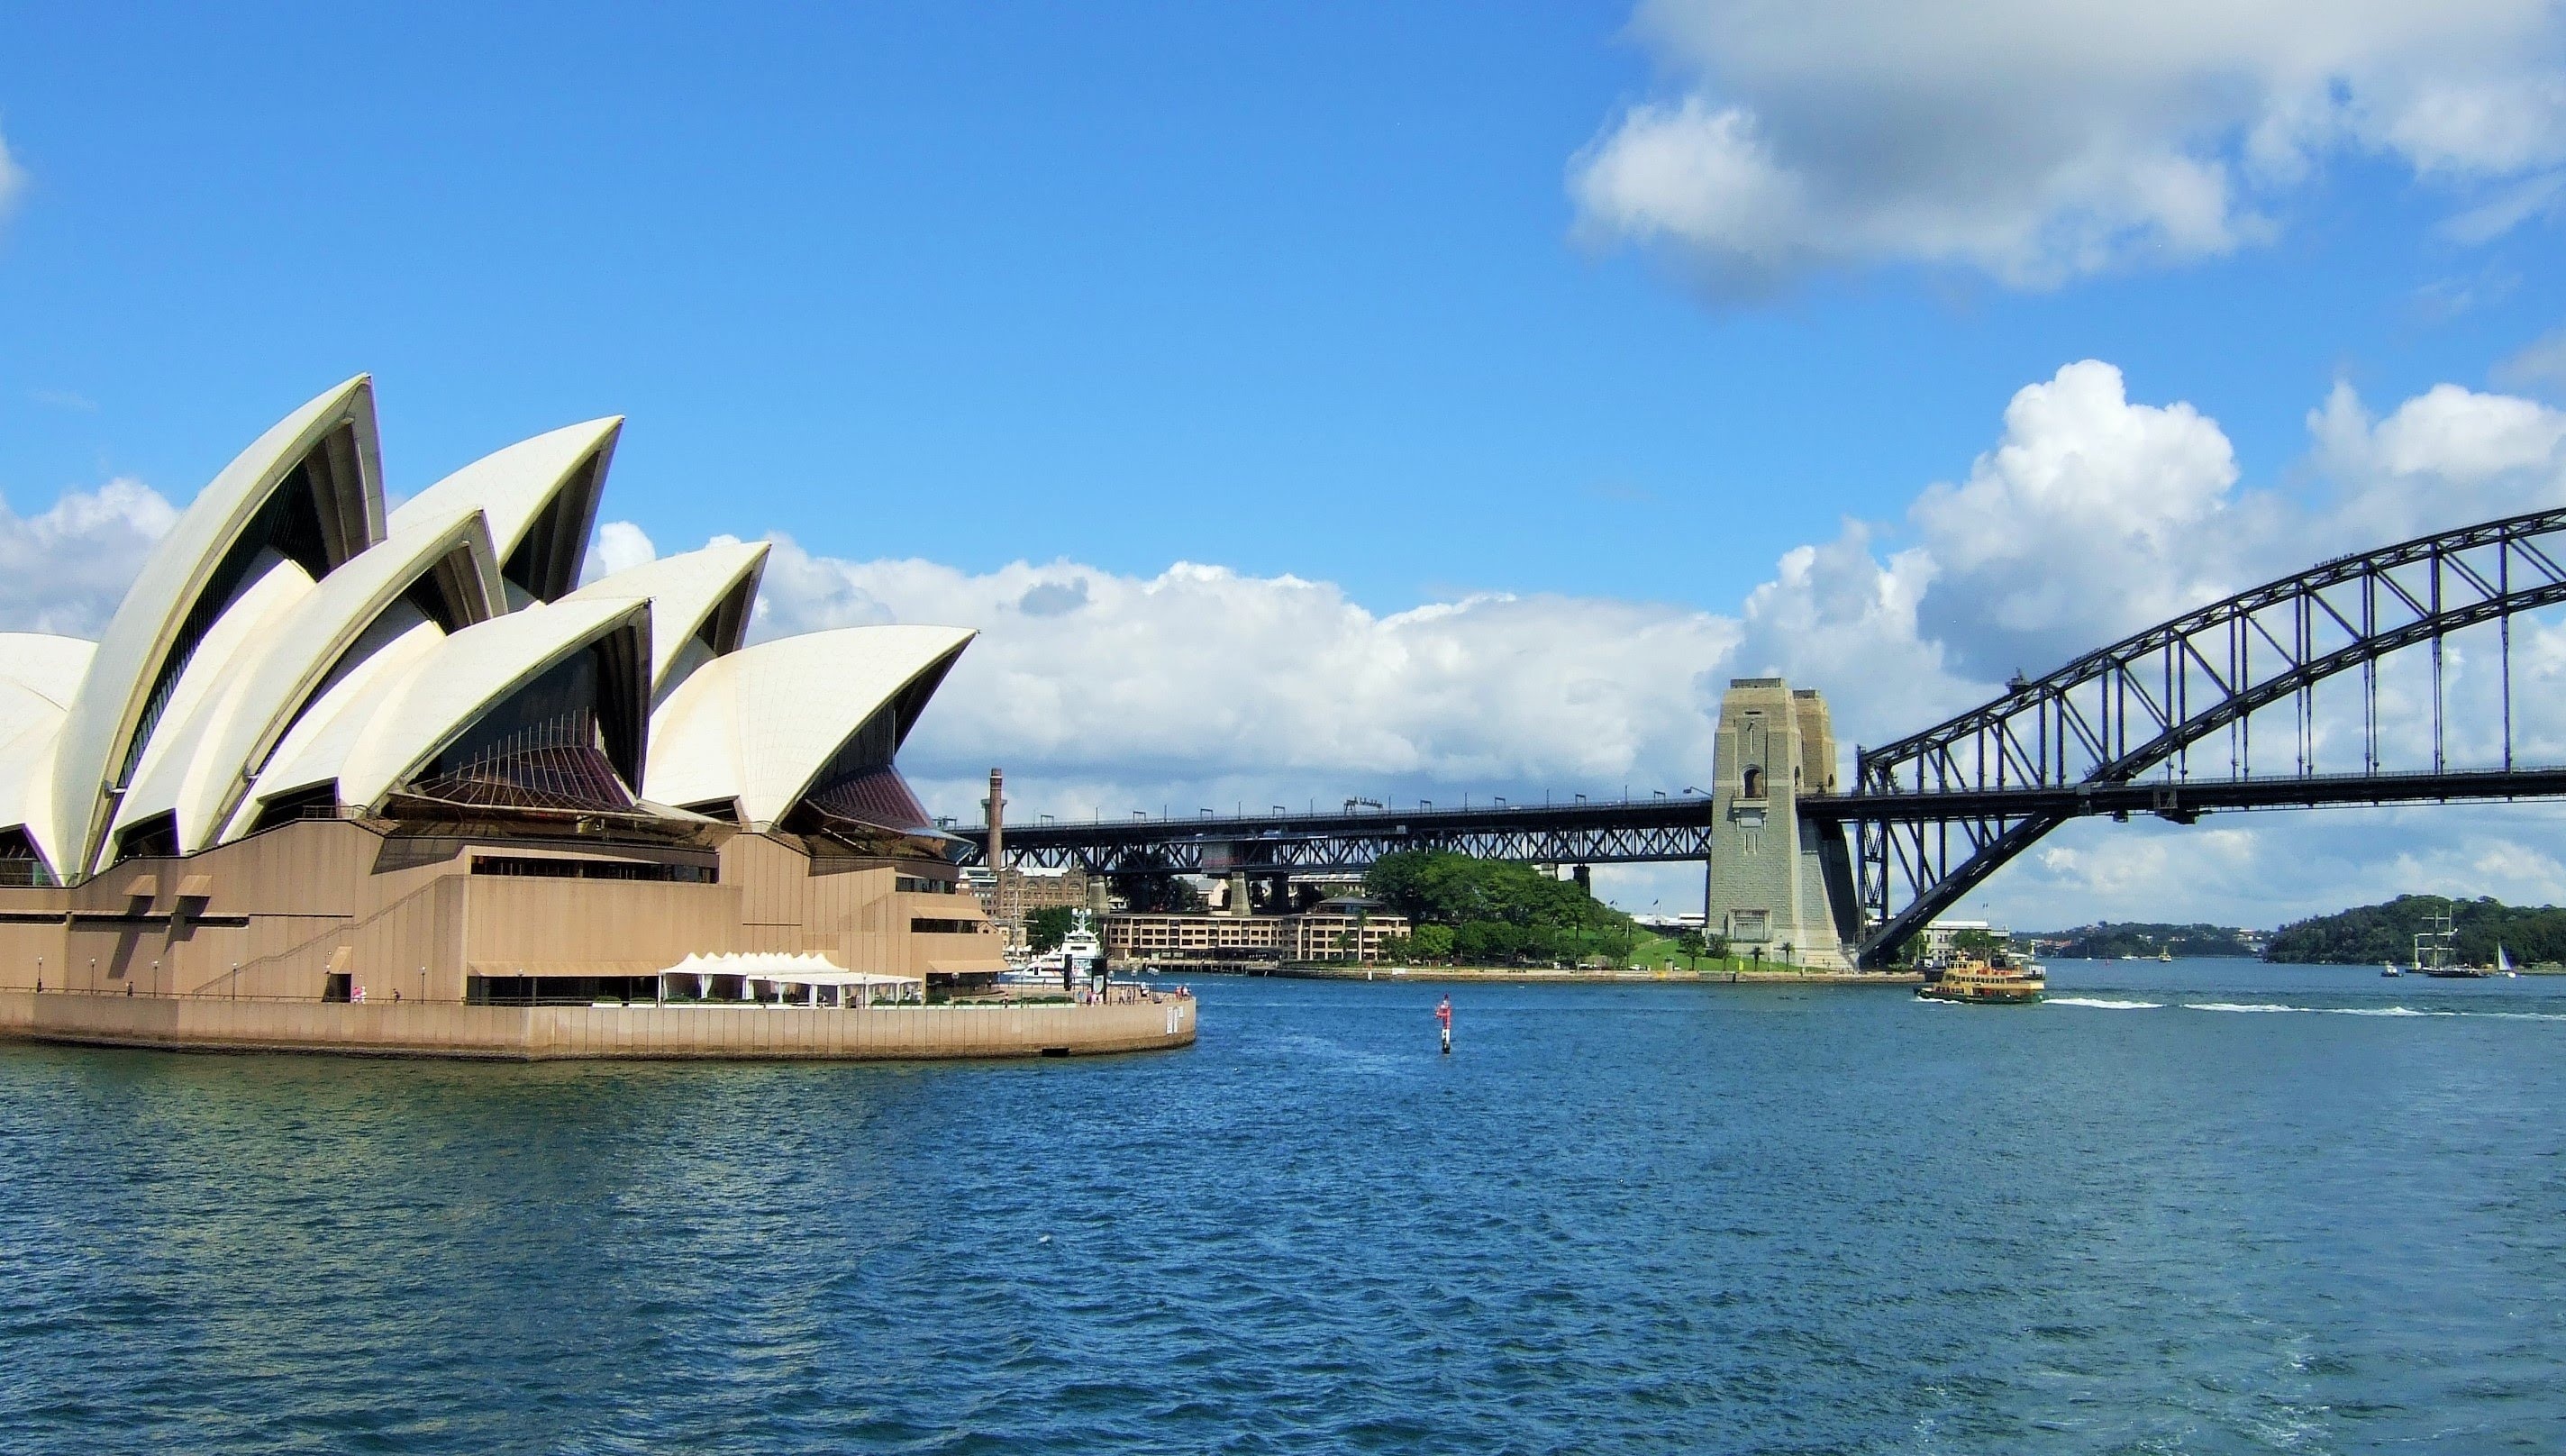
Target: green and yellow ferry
{"x":2003,"y":981}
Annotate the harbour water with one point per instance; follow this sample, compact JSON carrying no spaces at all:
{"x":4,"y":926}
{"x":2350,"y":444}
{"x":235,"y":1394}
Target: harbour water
{"x":2208,"y":1206}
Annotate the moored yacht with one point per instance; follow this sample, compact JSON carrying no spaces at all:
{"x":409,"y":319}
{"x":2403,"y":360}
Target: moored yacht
{"x":1082,"y":954}
{"x":1076,"y":959}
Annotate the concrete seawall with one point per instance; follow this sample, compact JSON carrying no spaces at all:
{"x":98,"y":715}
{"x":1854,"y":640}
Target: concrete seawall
{"x":543,"y":1032}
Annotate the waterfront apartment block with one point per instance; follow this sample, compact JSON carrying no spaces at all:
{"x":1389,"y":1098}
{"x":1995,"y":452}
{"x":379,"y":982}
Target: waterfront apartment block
{"x":1331,"y":931}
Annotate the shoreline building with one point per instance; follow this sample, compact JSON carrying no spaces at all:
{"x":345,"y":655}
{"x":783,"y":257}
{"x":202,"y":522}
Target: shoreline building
{"x":1010,"y":896}
{"x":330,"y":753}
{"x":1333,"y":929}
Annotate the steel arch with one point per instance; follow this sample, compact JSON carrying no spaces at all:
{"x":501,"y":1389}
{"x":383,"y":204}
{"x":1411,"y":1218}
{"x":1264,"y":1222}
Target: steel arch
{"x":1951,"y":804}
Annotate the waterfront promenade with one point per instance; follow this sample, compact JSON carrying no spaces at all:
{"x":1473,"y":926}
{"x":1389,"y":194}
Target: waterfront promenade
{"x":1149,"y":1021}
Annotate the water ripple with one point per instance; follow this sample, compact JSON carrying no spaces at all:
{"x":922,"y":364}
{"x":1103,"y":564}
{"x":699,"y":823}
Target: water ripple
{"x":1621,"y":1219}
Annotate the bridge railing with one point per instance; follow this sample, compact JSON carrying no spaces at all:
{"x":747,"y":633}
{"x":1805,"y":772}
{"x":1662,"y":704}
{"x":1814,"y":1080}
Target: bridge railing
{"x":1367,"y":810}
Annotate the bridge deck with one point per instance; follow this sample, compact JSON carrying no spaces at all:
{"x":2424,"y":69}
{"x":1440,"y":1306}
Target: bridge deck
{"x":1671,"y":829}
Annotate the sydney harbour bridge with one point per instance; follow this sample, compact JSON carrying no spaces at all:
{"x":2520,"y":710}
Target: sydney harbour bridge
{"x":2225,"y":707}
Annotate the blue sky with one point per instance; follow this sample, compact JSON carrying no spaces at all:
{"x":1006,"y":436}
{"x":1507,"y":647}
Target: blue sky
{"x":1293,"y":291}
{"x":1514,"y":368}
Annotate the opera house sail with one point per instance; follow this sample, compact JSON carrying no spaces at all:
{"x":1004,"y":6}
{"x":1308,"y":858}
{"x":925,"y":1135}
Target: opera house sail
{"x":325,"y":753}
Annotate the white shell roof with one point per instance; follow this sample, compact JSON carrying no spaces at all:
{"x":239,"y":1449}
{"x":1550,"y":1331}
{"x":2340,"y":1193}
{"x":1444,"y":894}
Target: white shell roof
{"x":106,"y":713}
{"x":759,"y":724}
{"x":47,"y":666}
{"x":346,"y":682}
{"x":334,"y":720}
{"x":682,"y":590}
{"x":299,"y":647}
{"x":514,"y":486}
{"x":234,"y":644}
{"x":27,"y":780}
{"x":380,"y":736}
{"x":39,"y":672}
{"x":22,"y":708}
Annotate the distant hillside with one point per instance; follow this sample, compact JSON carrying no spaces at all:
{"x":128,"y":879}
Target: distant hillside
{"x":2373,"y":933}
{"x":2108,"y":942}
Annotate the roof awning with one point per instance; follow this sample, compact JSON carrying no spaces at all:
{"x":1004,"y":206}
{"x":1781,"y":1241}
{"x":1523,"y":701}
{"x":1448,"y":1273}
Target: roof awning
{"x":834,"y":978}
{"x":565,"y":968}
{"x":811,"y":969}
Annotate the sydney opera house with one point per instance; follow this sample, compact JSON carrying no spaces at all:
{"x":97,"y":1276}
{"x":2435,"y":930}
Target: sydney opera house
{"x":325,"y":753}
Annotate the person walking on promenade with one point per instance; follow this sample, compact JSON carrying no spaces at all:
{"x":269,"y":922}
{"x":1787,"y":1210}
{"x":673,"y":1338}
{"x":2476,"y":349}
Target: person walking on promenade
{"x":1443,"y":1014}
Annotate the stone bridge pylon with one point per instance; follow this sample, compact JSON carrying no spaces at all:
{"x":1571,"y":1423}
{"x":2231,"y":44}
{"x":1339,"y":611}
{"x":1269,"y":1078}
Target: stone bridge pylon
{"x":1780,"y":882}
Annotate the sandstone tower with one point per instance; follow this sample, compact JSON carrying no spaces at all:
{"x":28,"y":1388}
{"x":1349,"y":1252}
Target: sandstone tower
{"x":1779,"y":883}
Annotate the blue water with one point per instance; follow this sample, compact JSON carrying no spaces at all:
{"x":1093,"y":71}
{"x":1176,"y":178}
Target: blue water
{"x":1619,"y":1219}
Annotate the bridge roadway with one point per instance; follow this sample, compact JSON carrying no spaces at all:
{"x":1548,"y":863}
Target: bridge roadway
{"x":1664,"y":828}
{"x":1658,"y":829}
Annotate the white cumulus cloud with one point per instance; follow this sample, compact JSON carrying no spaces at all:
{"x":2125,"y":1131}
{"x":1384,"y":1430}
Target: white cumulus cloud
{"x":2091,"y":515}
{"x":2036,"y":140}
{"x":2446,"y":456}
{"x":620,"y":545}
{"x":1214,"y":685}
{"x":64,"y":569}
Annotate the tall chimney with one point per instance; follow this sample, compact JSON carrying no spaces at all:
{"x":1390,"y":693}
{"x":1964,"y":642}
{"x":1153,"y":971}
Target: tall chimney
{"x":997,"y":807}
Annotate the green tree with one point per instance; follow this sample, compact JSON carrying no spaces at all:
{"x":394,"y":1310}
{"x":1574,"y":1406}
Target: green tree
{"x":2374,"y":934}
{"x":1450,"y":889}
{"x":1498,"y":912}
{"x":1980,"y":943}
{"x":1046,"y":927}
{"x":1697,"y":946}
{"x":1161,"y":895}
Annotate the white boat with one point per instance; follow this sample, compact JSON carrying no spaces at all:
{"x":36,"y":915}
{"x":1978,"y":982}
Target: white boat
{"x":2502,"y":959}
{"x":1082,"y":954}
{"x":1030,"y":968}
{"x":1077,"y":958}
{"x":2389,"y":968}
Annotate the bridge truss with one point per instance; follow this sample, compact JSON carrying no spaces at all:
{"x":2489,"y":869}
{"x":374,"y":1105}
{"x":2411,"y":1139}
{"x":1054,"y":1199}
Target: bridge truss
{"x":1620,"y":831}
{"x":2166,"y":721}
